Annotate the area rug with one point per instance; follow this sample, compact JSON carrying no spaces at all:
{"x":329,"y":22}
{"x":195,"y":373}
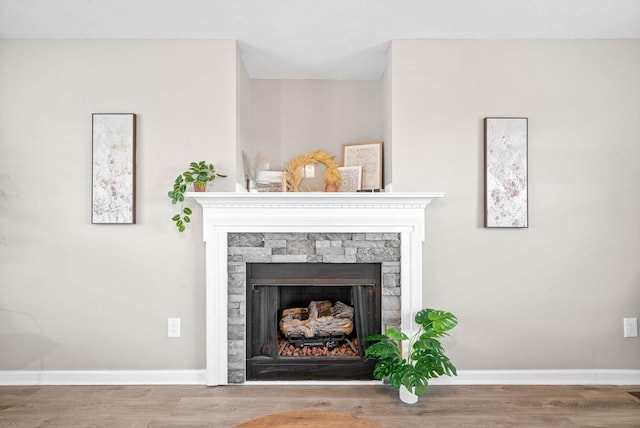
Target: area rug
{"x":308,"y":419}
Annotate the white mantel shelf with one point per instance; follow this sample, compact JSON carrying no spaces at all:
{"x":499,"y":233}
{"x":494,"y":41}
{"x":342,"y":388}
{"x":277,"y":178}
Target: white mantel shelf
{"x":312,"y":211}
{"x":362,"y":212}
{"x":317,"y":199}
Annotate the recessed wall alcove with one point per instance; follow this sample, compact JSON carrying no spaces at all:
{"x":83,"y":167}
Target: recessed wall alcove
{"x":283,"y":118}
{"x":394,"y":217}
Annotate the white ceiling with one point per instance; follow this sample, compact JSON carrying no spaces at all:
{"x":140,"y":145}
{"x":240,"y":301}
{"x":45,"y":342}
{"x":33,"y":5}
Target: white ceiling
{"x":319,"y":39}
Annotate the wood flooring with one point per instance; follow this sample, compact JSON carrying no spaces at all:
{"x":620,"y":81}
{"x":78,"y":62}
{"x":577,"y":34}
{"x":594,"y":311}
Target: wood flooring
{"x":228,"y":406}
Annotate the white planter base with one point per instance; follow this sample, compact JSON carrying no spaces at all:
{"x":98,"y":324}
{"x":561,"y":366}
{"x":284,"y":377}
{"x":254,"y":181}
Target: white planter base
{"x":407,"y":396}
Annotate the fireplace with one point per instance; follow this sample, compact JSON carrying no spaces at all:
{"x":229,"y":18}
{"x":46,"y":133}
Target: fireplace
{"x":309,"y":321}
{"x":395,"y":219}
{"x":266,"y":263}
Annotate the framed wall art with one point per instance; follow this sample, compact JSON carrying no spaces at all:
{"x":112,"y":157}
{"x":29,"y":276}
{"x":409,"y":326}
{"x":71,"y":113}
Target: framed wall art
{"x":369,"y":157}
{"x":505,"y":174}
{"x":350,"y":178}
{"x":113,"y":169}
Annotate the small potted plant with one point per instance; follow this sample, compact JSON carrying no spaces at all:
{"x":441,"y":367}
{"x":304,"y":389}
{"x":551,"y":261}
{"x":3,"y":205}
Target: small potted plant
{"x":200,"y":174}
{"x":424,"y":358}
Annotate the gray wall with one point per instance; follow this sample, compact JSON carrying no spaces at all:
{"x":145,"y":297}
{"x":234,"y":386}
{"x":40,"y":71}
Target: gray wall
{"x":76,"y":296}
{"x":552,"y":296}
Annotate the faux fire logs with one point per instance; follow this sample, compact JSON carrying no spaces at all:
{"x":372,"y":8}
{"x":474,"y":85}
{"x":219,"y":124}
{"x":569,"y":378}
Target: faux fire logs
{"x":319,"y":319}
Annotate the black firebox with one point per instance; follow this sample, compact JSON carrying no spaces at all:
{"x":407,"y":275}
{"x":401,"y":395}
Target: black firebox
{"x":308,"y":321}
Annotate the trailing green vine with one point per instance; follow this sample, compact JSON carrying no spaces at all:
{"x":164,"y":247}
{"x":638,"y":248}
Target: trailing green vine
{"x":200,"y":174}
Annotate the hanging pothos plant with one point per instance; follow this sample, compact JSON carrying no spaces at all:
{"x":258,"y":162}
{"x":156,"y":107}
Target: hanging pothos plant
{"x":200,"y":174}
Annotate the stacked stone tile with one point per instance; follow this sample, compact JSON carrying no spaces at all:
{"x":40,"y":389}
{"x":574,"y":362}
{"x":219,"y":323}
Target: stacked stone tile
{"x":383,"y":248}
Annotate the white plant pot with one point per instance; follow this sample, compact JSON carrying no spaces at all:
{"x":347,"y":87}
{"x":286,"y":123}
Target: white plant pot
{"x":407,"y":396}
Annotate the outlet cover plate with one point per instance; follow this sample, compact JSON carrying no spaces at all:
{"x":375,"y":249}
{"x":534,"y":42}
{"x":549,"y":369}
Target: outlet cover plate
{"x":631,"y":327}
{"x":173,"y":327}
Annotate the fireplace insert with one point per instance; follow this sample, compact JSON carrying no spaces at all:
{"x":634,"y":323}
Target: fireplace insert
{"x":309,"y":321}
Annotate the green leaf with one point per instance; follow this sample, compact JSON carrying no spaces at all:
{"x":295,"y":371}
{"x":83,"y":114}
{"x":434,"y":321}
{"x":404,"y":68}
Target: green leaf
{"x":443,"y":321}
{"x":187,"y":219}
{"x":436,"y":365}
{"x":187,"y":211}
{"x":427,"y":343}
{"x":181,"y":228}
{"x":384,"y":348}
{"x":422,"y":317}
{"x":386,"y":367}
{"x":176,"y":217}
{"x":436,"y":322}
{"x":375,"y":338}
{"x":396,"y":334}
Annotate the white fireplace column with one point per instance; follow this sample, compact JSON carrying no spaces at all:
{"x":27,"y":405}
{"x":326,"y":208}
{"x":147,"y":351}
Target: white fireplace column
{"x":225,"y":213}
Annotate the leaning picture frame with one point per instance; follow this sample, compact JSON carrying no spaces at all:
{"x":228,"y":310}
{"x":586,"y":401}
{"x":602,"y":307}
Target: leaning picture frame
{"x":368,"y":155}
{"x":113,"y":168}
{"x":350,"y":178}
{"x":505,"y":174}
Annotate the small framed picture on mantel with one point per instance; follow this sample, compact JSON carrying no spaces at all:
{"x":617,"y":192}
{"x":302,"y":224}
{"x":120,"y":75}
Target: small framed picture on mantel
{"x":369,"y":156}
{"x":505,"y":172}
{"x":350,"y":178}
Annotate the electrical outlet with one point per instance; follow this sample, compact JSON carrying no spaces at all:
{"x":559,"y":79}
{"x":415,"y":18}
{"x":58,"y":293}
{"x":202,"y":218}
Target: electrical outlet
{"x":631,"y":327}
{"x":173,"y":327}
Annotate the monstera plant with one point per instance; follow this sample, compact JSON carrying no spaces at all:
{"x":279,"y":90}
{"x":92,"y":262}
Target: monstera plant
{"x":424,"y":358}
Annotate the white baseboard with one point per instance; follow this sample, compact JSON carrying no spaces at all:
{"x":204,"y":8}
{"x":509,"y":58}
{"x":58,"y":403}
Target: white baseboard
{"x":198,"y":377}
{"x":103,"y":377}
{"x":541,"y":377}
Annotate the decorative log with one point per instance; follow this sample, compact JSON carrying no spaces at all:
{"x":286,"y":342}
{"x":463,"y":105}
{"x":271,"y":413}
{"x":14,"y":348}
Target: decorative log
{"x":297,"y":328}
{"x":330,"y":326}
{"x":341,"y":310}
{"x":296,"y":313}
{"x":320,"y":309}
{"x":324,"y":320}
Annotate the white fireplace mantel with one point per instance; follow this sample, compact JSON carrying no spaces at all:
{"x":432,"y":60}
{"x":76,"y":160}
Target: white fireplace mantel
{"x":227,"y":212}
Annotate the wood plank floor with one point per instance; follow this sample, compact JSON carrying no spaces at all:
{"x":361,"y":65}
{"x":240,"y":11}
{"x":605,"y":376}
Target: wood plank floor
{"x":228,"y":406}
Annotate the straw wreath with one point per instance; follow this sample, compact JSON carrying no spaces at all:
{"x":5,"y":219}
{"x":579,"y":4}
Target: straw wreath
{"x":294,"y":169}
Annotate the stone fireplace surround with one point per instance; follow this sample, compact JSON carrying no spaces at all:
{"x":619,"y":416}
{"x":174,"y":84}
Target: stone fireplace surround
{"x":325,"y":248}
{"x":375,"y":215}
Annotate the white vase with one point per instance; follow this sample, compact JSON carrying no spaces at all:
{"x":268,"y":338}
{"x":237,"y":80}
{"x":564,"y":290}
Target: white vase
{"x":251,"y":186}
{"x":407,"y":396}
